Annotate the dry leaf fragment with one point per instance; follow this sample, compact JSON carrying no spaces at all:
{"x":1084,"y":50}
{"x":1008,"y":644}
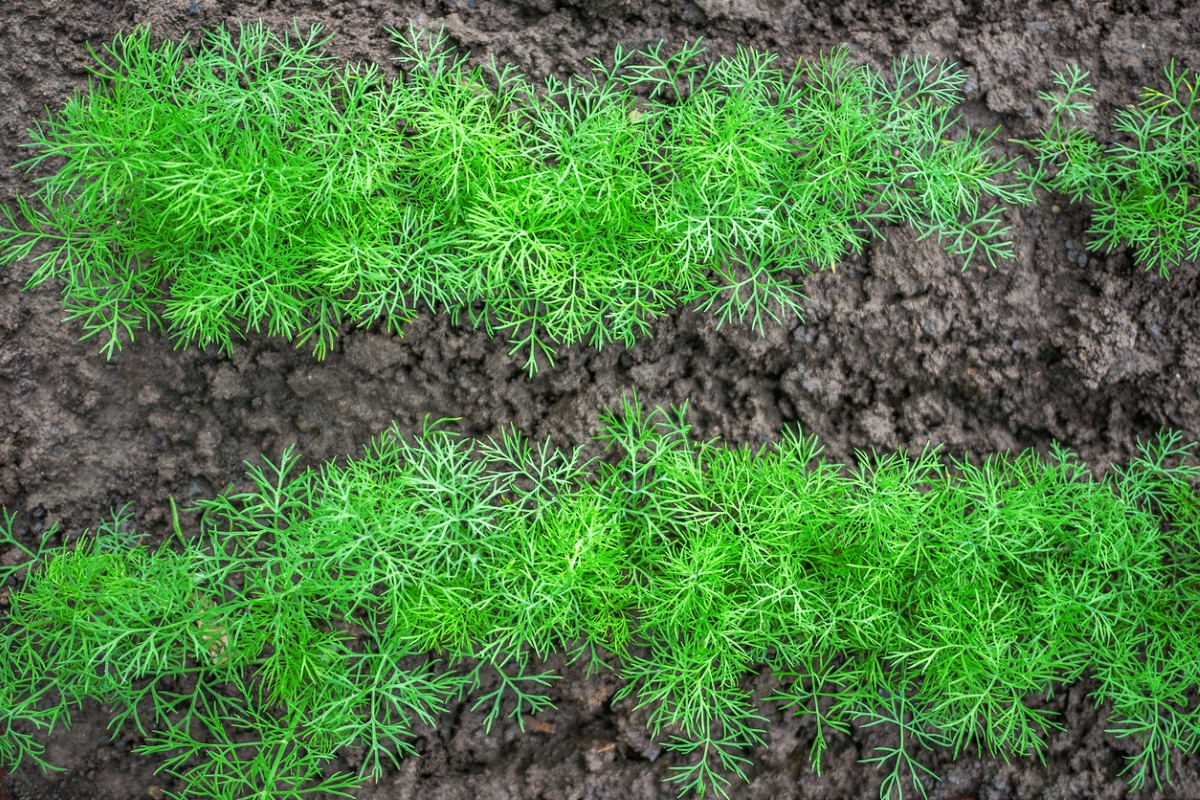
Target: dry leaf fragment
{"x":538,"y":726}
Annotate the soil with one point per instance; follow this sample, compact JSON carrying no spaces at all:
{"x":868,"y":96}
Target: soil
{"x":899,"y":348}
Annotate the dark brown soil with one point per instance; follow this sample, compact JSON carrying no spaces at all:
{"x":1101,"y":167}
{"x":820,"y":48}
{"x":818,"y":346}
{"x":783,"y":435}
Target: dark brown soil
{"x":898,"y":348}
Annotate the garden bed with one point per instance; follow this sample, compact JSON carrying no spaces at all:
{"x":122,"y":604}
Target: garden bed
{"x":899,"y":348}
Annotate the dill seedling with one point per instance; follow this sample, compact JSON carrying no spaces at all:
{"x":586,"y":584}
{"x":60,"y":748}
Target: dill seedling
{"x":1142,"y":187}
{"x":246,"y":182}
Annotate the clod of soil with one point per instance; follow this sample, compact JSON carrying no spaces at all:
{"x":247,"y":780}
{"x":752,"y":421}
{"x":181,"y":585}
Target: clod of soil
{"x":898,"y":348}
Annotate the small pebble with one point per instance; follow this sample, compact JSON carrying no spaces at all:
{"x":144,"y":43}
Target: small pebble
{"x":1055,"y":209}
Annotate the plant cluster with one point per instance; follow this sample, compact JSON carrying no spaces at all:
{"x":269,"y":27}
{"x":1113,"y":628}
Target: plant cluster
{"x":248,"y":182}
{"x":1144,"y":187}
{"x":331,"y":608}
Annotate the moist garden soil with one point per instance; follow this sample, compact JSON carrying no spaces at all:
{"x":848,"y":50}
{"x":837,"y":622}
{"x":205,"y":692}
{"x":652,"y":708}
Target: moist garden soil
{"x":898,"y":348}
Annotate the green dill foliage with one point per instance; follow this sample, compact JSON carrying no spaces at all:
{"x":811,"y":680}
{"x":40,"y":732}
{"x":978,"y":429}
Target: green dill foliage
{"x":334,"y":608}
{"x":1142,"y":186}
{"x":248,"y":182}
{"x":196,"y":187}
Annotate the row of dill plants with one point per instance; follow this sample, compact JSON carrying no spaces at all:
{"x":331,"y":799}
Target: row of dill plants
{"x":336,"y":607}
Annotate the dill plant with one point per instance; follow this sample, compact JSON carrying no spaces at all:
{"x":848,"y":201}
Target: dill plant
{"x":1142,"y":186}
{"x":331,"y":608}
{"x":248,"y":182}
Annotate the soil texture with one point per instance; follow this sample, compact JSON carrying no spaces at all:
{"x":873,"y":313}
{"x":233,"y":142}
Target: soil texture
{"x":899,"y":347}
